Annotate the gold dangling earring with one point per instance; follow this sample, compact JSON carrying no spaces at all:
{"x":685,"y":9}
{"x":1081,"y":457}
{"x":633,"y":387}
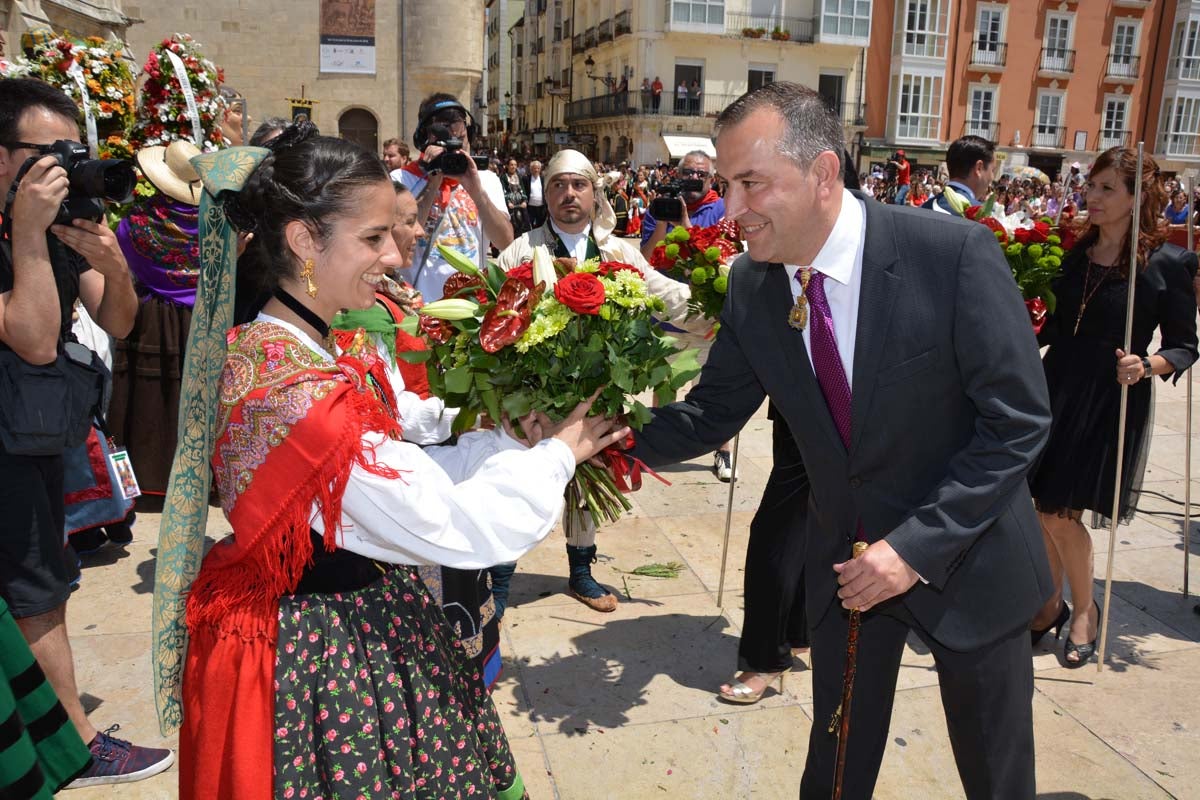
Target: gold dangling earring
{"x":307,"y":274}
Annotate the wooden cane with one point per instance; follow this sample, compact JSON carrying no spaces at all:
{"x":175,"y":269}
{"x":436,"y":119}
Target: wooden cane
{"x":728,"y":522}
{"x":1134,"y":233}
{"x":1187,"y":447}
{"x":841,"y":717}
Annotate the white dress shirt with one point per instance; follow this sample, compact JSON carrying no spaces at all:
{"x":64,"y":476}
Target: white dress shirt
{"x":487,"y":500}
{"x":536,"y":198}
{"x":840,"y":261}
{"x":576,"y":243}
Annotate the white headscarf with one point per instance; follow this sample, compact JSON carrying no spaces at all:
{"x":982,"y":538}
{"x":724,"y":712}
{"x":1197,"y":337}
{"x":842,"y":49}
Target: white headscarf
{"x":604,"y":219}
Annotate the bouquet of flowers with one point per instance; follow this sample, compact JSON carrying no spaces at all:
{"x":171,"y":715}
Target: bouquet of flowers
{"x":1034,"y":250}
{"x":163,"y":114}
{"x":104,"y":68}
{"x":700,"y":257}
{"x":546,"y":335}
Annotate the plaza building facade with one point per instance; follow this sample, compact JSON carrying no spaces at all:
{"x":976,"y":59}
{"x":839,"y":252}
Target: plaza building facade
{"x":1050,"y":81}
{"x":103,"y":18}
{"x":271,"y":53}
{"x":582,"y":63}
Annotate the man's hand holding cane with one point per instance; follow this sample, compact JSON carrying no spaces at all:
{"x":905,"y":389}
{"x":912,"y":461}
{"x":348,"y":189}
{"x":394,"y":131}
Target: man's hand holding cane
{"x":878,"y":574}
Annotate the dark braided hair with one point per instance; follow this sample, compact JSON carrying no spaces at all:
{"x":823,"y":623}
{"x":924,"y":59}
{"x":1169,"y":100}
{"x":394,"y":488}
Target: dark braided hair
{"x":307,"y":177}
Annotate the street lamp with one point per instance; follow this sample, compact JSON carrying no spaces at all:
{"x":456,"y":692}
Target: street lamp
{"x":609,"y":81}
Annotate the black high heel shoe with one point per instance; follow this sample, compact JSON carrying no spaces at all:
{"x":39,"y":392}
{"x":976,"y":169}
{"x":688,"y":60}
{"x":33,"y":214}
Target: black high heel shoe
{"x":1064,"y":614}
{"x":1083,"y":651}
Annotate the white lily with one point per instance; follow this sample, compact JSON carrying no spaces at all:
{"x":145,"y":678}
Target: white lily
{"x":452,"y":308}
{"x":543,"y":267}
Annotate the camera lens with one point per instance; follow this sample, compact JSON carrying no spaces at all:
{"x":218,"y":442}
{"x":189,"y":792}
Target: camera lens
{"x":111,"y":179}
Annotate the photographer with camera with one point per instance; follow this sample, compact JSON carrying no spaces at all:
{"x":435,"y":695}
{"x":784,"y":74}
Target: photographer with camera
{"x":55,"y":250}
{"x":689,"y":200}
{"x":459,"y":201}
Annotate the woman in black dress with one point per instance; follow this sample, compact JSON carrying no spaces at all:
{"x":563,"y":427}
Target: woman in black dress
{"x":1085,"y":367}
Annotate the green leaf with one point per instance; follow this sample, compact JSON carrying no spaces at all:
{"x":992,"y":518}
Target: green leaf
{"x":458,"y":380}
{"x":415,"y":356}
{"x":464,"y":422}
{"x":487,"y":361}
{"x":410,"y":325}
{"x":517,"y":404}
{"x":638,"y":415}
{"x":492,"y":403}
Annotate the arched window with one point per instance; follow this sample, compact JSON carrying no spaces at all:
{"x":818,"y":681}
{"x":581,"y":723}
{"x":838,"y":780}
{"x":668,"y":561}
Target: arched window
{"x":606,"y":148}
{"x":360,"y":126}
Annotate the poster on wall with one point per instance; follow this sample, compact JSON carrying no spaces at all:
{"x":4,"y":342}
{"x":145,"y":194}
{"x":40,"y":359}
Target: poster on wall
{"x":348,"y":36}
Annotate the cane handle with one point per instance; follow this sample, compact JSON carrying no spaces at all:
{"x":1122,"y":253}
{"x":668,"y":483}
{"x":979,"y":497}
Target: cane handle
{"x":859,"y":549}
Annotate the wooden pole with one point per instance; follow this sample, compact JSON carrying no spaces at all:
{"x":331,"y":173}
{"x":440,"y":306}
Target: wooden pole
{"x":728,"y":522}
{"x":1187,"y":448}
{"x":1134,"y":233}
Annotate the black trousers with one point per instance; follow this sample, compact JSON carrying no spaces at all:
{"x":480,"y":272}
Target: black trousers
{"x":987,"y":697}
{"x":774,"y":620}
{"x":537,"y":216}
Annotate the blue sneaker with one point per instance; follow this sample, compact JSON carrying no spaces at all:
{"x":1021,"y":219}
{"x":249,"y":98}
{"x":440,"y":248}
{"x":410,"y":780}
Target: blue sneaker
{"x":117,"y":761}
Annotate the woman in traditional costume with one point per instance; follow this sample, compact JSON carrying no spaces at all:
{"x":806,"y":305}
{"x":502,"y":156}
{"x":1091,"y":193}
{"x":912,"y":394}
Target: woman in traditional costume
{"x":159,"y":240}
{"x":313,"y":645}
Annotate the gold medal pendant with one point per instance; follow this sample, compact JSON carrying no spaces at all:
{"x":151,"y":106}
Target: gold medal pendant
{"x":798,"y":316}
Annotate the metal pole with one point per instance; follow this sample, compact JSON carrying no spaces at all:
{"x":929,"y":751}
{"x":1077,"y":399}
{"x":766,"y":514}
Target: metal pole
{"x":1187,"y":448}
{"x":1134,"y":233}
{"x":728,"y":522}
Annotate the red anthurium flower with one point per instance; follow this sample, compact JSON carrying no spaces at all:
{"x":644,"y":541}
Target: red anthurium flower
{"x":972,"y":212}
{"x":457,"y":284}
{"x":439,"y":330}
{"x":504,"y":322}
{"x":995,"y":225}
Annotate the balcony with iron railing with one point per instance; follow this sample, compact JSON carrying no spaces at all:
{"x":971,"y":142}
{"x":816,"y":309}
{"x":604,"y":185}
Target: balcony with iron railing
{"x":1056,"y":62}
{"x":589,"y":38}
{"x":605,"y":31}
{"x":988,"y":56}
{"x":577,"y":43}
{"x":853,"y":115}
{"x":1050,"y":136}
{"x":635,"y":103}
{"x":1122,"y":68}
{"x":780,"y":29}
{"x":621,"y":23}
{"x":1177,"y":144}
{"x":919,"y":44}
{"x":984,"y":128}
{"x":1111,"y":137}
{"x":1184,"y":68}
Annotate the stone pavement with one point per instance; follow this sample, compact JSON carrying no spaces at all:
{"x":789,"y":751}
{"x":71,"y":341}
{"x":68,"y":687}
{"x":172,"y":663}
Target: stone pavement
{"x":623,"y":705}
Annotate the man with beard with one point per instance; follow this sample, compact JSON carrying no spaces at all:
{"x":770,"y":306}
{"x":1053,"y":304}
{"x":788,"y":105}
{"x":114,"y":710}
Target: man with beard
{"x":581,"y":227}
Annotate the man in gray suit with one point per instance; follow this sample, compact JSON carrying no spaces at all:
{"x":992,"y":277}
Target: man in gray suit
{"x":896,"y":347}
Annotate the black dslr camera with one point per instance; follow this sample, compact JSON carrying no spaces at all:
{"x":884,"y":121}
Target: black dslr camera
{"x":668,"y":206}
{"x":92,"y":181}
{"x":453,"y":161}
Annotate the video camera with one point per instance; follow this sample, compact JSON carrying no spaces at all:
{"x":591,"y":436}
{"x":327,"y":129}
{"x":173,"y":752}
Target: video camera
{"x":453,"y":161}
{"x":668,"y":206}
{"x":91,"y":180}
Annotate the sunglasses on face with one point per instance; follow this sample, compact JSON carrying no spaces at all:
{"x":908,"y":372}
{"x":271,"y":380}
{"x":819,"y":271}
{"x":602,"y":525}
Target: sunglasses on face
{"x":694,"y":173}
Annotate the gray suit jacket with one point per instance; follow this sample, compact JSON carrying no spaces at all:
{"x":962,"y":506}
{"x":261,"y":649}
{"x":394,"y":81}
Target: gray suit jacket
{"x":949,"y":412}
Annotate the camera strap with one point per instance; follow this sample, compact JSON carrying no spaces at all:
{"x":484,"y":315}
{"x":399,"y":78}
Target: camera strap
{"x":89,"y":113}
{"x":430,"y":242}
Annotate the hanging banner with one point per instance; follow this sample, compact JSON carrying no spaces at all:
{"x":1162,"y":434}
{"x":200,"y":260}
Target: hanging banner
{"x":348,"y":36}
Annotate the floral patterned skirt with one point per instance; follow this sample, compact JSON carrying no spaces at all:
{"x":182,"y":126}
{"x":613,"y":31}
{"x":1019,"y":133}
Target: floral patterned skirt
{"x":374,"y":699}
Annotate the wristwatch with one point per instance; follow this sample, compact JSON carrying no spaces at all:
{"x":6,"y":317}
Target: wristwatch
{"x":1146,"y":366}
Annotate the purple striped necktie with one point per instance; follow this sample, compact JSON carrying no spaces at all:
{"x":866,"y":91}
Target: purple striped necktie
{"x":827,"y":362}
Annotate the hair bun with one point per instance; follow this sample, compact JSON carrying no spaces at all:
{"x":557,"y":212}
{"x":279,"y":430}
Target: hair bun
{"x":292,"y":135}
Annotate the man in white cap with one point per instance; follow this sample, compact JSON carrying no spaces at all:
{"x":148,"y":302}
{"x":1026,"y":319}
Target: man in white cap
{"x":580,"y":226}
